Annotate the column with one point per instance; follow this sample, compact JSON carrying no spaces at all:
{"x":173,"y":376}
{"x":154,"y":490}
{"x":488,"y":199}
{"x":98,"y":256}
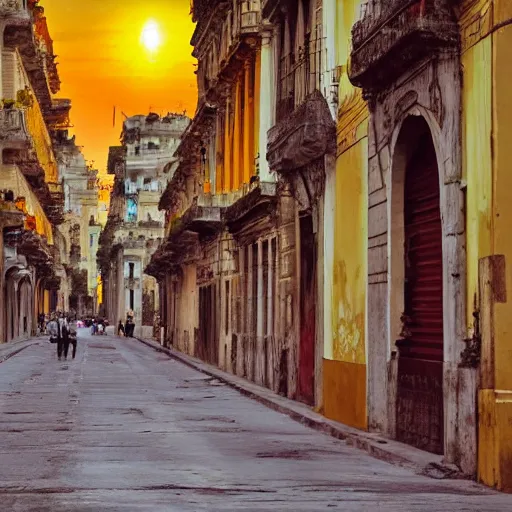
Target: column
{"x":237,"y":137}
{"x":251,"y":311}
{"x":3,"y":308}
{"x":227,"y":149}
{"x":248,"y":132}
{"x":260,"y":328}
{"x":329,"y":25}
{"x":266,"y":103}
{"x":270,"y":317}
{"x":119,"y":299}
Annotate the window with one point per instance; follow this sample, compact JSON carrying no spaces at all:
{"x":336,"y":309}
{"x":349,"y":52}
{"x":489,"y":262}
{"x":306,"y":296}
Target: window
{"x":137,"y":150}
{"x":132,"y":299}
{"x":91,"y":240}
{"x":132,"y":269}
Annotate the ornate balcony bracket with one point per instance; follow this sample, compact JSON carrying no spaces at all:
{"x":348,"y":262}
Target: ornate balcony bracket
{"x":305,"y":136}
{"x":392,"y":38}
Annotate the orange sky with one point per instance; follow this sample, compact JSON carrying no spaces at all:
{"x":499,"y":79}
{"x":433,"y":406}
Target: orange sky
{"x":102,"y":63}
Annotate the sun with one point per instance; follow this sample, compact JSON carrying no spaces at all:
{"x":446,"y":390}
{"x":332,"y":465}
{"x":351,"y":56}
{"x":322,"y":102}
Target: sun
{"x":150,"y":36}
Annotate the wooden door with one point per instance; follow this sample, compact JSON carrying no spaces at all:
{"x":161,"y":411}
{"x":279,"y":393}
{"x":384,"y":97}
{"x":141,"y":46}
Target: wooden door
{"x":420,"y":418}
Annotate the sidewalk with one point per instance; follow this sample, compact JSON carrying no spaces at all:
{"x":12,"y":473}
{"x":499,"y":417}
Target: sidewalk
{"x":7,"y":350}
{"x":378,"y":446}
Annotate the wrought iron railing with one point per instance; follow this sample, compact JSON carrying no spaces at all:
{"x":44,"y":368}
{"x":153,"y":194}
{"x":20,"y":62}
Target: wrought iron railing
{"x":300,"y":73}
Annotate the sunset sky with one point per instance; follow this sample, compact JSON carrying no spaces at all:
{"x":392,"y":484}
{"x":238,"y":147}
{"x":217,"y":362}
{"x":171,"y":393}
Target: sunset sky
{"x":103,"y":63}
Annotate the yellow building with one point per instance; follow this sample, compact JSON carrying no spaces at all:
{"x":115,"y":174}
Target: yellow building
{"x":346,"y":271}
{"x":432,"y":213}
{"x":486,"y":52}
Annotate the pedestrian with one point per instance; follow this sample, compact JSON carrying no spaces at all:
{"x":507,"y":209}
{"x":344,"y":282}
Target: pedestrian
{"x":130,"y":324}
{"x":41,"y":323}
{"x":72,"y":323}
{"x":63,"y":337}
{"x":52,"y":328}
{"x":120,"y":328}
{"x":94,"y":327}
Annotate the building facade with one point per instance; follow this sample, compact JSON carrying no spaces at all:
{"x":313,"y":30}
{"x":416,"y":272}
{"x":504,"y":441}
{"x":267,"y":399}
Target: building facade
{"x":244,"y":247}
{"x":46,"y":219}
{"x":31,"y":269}
{"x":336,"y":226}
{"x":81,"y":227}
{"x":142,"y":166}
{"x":438,"y":316}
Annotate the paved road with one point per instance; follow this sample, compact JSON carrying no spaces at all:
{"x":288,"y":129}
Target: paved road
{"x":124,"y":428}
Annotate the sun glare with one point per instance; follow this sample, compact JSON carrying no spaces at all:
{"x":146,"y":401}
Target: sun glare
{"x":150,"y":36}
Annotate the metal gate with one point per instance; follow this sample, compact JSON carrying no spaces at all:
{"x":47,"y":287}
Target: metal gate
{"x":420,"y":418}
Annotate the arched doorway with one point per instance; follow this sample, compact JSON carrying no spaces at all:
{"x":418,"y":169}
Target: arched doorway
{"x":19,"y":301}
{"x":420,"y":416}
{"x":25,"y":308}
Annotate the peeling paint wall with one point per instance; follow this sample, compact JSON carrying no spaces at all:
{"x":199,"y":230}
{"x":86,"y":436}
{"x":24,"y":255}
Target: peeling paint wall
{"x":350,"y":256}
{"x":345,"y":245}
{"x":477,"y":160}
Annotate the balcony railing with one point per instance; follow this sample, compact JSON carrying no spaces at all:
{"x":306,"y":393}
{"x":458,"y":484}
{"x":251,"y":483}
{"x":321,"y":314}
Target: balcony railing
{"x":392,"y":35}
{"x":243,"y":19}
{"x":300,"y":73}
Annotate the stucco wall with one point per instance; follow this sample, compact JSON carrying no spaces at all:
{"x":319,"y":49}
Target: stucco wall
{"x":477,"y":160}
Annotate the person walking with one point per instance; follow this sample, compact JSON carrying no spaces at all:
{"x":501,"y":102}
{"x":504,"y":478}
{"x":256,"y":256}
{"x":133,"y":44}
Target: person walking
{"x":62,"y":337}
{"x":72,"y":334}
{"x":130,"y":324}
{"x":52,"y":329}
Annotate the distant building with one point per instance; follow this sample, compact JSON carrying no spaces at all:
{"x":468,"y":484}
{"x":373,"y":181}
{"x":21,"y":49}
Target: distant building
{"x":142,"y":167}
{"x":81,"y":227}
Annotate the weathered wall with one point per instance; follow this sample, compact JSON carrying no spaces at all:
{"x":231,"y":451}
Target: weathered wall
{"x":187,"y":314}
{"x":345,"y":369}
{"x":495,"y":397}
{"x":345,"y":245}
{"x":477,"y":160}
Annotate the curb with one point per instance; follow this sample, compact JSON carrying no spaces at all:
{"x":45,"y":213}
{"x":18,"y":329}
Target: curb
{"x":17,"y":351}
{"x":375,"y":445}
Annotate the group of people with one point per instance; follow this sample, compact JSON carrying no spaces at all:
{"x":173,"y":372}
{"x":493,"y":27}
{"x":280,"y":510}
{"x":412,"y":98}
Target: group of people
{"x":98,"y":326}
{"x":62,"y":330}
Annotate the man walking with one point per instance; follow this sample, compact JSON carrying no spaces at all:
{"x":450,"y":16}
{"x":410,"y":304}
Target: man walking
{"x":72,"y":333}
{"x":62,"y":337}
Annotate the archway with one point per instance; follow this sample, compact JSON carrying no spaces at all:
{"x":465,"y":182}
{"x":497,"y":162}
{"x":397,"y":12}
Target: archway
{"x":416,"y":301}
{"x":25,"y":308}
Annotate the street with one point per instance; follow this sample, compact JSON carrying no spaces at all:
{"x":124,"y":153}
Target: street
{"x":124,"y":428}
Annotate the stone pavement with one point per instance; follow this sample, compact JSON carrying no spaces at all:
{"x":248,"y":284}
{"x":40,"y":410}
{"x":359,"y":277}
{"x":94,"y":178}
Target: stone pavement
{"x":8,"y":350}
{"x":125,"y":428}
{"x":376,"y":445}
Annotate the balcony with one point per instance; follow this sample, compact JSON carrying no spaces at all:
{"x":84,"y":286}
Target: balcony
{"x":393,"y":36}
{"x":203,"y":220}
{"x":242,"y":21}
{"x":258,"y":204}
{"x":240,"y":24}
{"x":10,"y":215}
{"x":303,"y":137}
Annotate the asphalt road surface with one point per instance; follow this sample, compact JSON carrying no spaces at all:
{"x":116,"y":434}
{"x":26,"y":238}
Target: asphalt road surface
{"x":124,"y":428}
